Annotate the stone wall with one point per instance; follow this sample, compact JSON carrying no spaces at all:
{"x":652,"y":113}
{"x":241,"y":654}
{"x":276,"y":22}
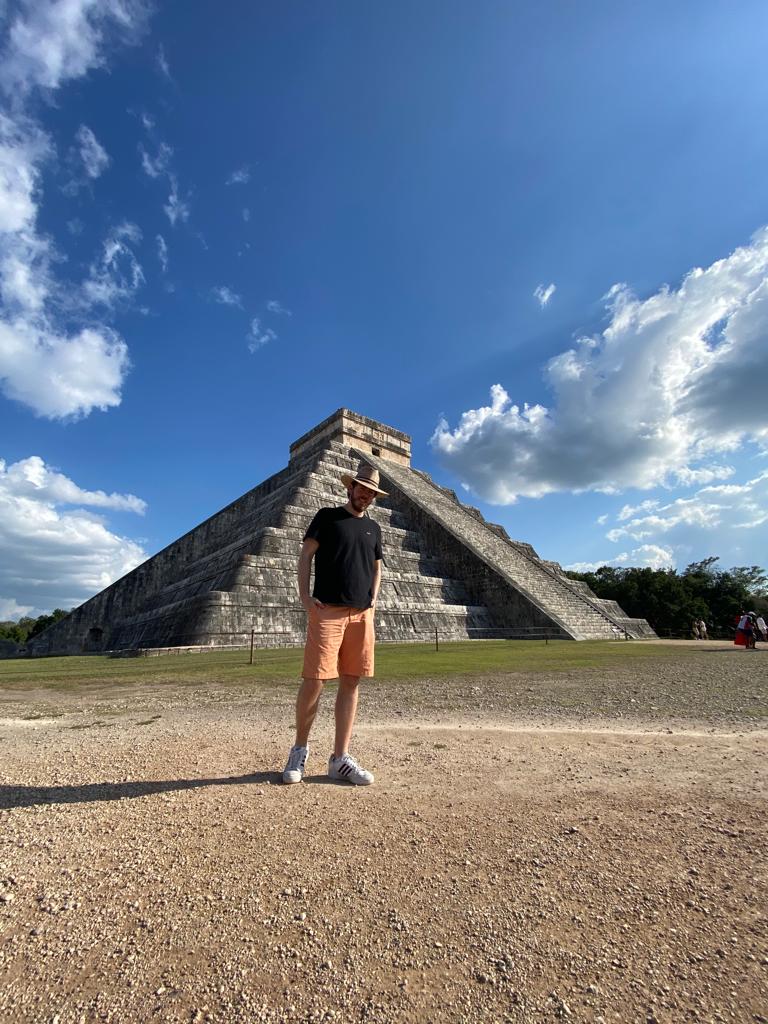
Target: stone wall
{"x":352,"y":430}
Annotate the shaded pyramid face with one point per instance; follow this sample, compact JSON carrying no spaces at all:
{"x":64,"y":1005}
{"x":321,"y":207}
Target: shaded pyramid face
{"x":445,"y":569}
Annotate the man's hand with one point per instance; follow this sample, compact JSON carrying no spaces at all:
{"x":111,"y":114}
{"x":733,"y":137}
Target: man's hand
{"x":308,"y":549}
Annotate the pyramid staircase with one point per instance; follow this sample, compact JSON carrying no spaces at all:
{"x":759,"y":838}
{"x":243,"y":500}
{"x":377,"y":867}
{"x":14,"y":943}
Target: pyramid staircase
{"x":445,"y":569}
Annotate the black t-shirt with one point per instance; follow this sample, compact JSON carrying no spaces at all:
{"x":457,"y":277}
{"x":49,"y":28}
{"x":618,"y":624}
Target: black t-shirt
{"x":345,"y":560}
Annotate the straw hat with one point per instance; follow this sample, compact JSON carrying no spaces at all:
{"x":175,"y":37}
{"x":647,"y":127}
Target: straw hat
{"x":366,"y":475}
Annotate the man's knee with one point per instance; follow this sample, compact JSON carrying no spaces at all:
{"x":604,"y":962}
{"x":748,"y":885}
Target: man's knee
{"x":312,"y":686}
{"x":349,"y":681}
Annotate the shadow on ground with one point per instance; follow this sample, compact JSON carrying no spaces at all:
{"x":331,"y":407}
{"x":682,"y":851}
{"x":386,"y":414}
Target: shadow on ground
{"x":98,"y":792}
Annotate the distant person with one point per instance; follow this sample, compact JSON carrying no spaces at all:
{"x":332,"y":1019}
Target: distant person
{"x":760,"y":623}
{"x":745,"y":632}
{"x":346,"y":547}
{"x":695,"y":629}
{"x":702,"y":629}
{"x":736,"y":621}
{"x":755,"y":631}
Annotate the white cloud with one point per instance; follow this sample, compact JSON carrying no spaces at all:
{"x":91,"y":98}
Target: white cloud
{"x":647,"y":556}
{"x":631,"y":510}
{"x":239,"y":177}
{"x":92,"y":153}
{"x":162,"y":253}
{"x":651,"y":555}
{"x":543,"y":294}
{"x":60,"y":376}
{"x":23,"y":147}
{"x":673,"y":383}
{"x":246,"y":214}
{"x":53,"y":41}
{"x":688,"y":477}
{"x":686,"y":512}
{"x":274,"y":307}
{"x":58,"y":372}
{"x":225,"y":296}
{"x":755,"y":519}
{"x":53,"y":551}
{"x":159,"y":166}
{"x":162,"y":63}
{"x":25,"y":280}
{"x":732,"y":505}
{"x":176,"y":208}
{"x":156,"y":165}
{"x":11,"y":611}
{"x":87,"y":161}
{"x":117,"y":274}
{"x":726,"y":518}
{"x":259,"y":336}
{"x":32,"y":478}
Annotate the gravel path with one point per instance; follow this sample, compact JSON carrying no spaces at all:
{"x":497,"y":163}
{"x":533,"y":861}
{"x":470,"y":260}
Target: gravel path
{"x":584,"y":846}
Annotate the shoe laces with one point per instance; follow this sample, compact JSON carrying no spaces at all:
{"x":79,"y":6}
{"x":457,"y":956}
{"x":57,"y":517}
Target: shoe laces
{"x":348,"y":759}
{"x":297,"y":758}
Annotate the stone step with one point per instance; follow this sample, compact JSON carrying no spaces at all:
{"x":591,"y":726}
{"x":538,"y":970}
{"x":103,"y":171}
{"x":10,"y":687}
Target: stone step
{"x":433,"y":589}
{"x":255,"y":603}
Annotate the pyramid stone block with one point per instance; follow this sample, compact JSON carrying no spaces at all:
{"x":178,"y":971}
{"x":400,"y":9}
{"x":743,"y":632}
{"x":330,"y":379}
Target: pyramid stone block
{"x":446,"y":569}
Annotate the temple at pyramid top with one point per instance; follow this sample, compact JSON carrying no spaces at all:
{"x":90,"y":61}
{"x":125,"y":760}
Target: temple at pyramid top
{"x":446,"y":570}
{"x":355,"y":431}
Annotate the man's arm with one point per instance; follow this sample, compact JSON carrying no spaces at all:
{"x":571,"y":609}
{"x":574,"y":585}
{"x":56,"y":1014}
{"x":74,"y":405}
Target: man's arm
{"x":308,"y":549}
{"x":376,"y":581}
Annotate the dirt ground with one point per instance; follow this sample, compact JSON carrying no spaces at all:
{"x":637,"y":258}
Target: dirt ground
{"x":585,"y":846}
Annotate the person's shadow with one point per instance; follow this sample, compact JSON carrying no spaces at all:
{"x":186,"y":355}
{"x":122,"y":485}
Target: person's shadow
{"x":94,"y":792}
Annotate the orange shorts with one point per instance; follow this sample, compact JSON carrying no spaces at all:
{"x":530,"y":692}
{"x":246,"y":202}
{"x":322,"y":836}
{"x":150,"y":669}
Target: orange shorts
{"x":339,"y":642}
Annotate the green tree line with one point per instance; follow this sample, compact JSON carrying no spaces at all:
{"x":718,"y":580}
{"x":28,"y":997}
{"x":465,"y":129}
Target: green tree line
{"x":671,"y":601}
{"x":23,"y":630}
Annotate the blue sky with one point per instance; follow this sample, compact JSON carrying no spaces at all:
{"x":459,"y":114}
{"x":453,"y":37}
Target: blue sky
{"x":531,"y":235}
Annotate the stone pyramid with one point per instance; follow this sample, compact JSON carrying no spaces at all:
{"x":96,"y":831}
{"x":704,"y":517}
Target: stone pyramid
{"x":445,"y":568}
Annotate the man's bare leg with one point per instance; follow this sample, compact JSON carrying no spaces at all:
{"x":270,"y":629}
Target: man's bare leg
{"x":307,"y":703}
{"x":346,"y":707}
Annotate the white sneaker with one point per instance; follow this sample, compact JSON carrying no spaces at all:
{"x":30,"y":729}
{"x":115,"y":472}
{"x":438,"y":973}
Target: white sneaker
{"x":346,"y":769}
{"x":297,"y":761}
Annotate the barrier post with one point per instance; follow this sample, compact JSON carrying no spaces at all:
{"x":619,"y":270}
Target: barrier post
{"x":251,"y":659}
{"x":437,"y":645}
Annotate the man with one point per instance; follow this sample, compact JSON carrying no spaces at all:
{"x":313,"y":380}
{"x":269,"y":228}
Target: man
{"x":346,"y":546}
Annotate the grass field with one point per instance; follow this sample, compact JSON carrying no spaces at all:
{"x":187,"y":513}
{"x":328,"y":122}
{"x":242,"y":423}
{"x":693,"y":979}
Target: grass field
{"x":393,"y":661}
